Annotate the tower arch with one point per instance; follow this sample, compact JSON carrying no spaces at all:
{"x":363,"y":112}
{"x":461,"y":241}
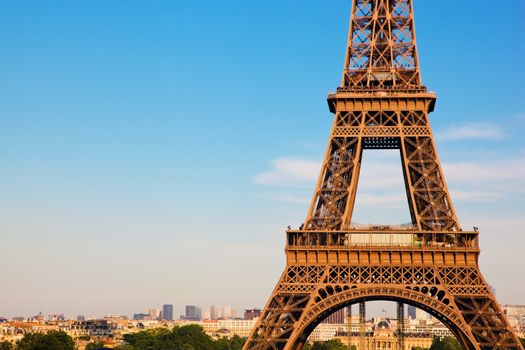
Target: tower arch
{"x":448,"y":314}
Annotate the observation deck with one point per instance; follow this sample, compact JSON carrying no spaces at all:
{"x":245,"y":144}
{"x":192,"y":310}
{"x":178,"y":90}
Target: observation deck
{"x":381,"y":98}
{"x":383,"y":246}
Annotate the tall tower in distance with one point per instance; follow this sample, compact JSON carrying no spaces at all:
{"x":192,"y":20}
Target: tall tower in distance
{"x":193,"y":313}
{"x":167,"y":312}
{"x":431,"y":264}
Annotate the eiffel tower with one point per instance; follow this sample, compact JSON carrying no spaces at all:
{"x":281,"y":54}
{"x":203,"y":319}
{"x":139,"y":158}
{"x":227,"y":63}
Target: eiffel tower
{"x":433,"y":264}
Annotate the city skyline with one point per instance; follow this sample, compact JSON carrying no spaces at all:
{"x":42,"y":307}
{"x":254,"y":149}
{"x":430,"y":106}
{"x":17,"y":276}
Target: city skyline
{"x":165,"y":312}
{"x":129,"y":152}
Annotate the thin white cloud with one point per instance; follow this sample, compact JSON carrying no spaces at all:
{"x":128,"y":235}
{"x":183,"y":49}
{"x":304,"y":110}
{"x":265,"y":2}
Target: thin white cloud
{"x":383,"y":200}
{"x":475,"y":196}
{"x":491,"y":180}
{"x":472,"y":131}
{"x":491,"y":171}
{"x":383,"y":171}
{"x":468,"y":181}
{"x":289,"y":172}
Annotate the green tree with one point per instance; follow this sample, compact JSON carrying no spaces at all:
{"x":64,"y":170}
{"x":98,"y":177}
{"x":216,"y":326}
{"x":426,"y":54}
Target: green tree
{"x":49,"y":341}
{"x":124,"y":347}
{"x":190,"y":337}
{"x":6,"y":345}
{"x":185,"y":346}
{"x":194,"y":336}
{"x":236,"y":342}
{"x":329,"y":345}
{"x":146,"y":340}
{"x":233,"y":343}
{"x":222,"y":344}
{"x":445,"y":343}
{"x":96,"y":345}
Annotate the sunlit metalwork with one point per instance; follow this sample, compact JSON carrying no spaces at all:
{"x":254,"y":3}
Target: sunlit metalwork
{"x":433,"y":264}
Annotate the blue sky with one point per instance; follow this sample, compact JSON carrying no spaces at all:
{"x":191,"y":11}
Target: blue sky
{"x":153,"y":152}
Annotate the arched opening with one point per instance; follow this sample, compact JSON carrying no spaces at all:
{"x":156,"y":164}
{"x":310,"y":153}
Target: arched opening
{"x":379,"y":325}
{"x":447,"y":320}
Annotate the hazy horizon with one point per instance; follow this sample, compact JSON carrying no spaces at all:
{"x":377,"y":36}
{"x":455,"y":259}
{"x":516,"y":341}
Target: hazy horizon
{"x":154,"y":152}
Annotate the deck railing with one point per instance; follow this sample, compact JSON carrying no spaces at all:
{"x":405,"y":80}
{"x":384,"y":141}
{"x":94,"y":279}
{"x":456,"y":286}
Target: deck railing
{"x":383,"y":238}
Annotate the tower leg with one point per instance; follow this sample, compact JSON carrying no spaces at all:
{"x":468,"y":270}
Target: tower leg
{"x":362,"y":326}
{"x":401,"y":325}
{"x":349,"y":326}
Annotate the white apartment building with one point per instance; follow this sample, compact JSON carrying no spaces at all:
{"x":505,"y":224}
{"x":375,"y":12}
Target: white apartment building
{"x":327,"y":331}
{"x":516,"y":316}
{"x":154,"y":314}
{"x":224,"y":328}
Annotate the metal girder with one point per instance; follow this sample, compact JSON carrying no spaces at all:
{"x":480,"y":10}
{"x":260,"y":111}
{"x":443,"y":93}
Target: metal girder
{"x":381,"y":51}
{"x":433,"y":265}
{"x":472,"y":315}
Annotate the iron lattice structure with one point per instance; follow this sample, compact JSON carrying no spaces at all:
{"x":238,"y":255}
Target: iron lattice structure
{"x":382,"y":104}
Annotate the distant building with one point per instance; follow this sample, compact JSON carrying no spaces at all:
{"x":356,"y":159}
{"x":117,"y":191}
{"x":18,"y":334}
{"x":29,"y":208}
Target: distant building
{"x":251,"y":314}
{"x":206,"y":314}
{"x":40,"y":317}
{"x":81,"y":318}
{"x":218,"y":312}
{"x":154,"y":314}
{"x":228,"y":313}
{"x":382,"y":334}
{"x":516,"y":316}
{"x":56,"y":317}
{"x":422,"y":315}
{"x":224,"y":328}
{"x":328,"y":331}
{"x":242,"y":328}
{"x":140,"y":316}
{"x":92,"y":328}
{"x":438,"y":329}
{"x":193,"y":313}
{"x":215,"y":312}
{"x":167,"y":312}
{"x":411,"y":312}
{"x":337,"y":317}
{"x":414,"y":313}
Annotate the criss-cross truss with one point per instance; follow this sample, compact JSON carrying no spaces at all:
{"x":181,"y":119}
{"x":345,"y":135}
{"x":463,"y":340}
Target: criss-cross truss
{"x":381,"y":50}
{"x":433,"y":264}
{"x":383,"y":127}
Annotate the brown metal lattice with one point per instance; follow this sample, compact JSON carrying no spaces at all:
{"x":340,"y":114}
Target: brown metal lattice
{"x":433,"y":265}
